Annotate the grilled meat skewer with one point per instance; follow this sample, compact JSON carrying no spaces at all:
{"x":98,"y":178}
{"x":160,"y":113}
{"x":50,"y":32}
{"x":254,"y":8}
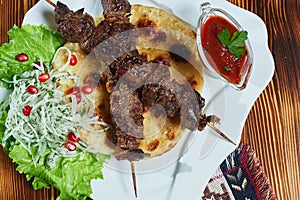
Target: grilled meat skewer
{"x":108,"y":44}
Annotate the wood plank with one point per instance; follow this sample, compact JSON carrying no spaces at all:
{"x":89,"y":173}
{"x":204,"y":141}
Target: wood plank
{"x":272,"y":127}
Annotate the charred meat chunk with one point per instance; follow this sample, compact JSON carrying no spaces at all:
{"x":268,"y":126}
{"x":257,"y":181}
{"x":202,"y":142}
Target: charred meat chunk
{"x":121,"y":65}
{"x":79,"y":27}
{"x":73,"y":26}
{"x":126,"y":111}
{"x":134,"y":70}
{"x":126,"y":76}
{"x":111,"y":41}
{"x":116,"y":10}
{"x":100,"y":33}
{"x":132,"y":155}
{"x":176,"y":99}
{"x":158,"y":94}
{"x":125,"y":141}
{"x":203,"y":119}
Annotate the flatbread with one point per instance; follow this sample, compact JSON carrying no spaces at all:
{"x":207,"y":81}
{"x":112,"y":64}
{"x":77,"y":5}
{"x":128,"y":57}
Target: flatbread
{"x":162,"y":37}
{"x":88,"y":74}
{"x":165,"y":37}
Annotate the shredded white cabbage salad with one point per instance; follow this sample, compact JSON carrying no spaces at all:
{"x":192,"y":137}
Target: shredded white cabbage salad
{"x":52,"y":117}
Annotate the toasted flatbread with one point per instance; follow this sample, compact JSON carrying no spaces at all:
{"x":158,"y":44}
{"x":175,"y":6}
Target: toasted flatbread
{"x":162,"y":37}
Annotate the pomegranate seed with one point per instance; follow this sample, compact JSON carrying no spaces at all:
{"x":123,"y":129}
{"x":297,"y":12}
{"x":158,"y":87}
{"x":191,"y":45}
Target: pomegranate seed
{"x":73,"y":60}
{"x":74,"y":90}
{"x":22,"y":57}
{"x":87,"y":89}
{"x":27,"y":110}
{"x":32,"y":89}
{"x":73,"y":138}
{"x":70,"y":146}
{"x":44,"y":77}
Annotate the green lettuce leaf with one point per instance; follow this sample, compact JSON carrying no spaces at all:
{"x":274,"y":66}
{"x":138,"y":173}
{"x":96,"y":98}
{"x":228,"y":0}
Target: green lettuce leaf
{"x":2,"y":124}
{"x":72,"y":176}
{"x":10,"y":141}
{"x":38,"y":42}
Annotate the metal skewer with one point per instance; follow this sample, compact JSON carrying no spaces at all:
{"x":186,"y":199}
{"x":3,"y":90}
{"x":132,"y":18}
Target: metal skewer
{"x":220,"y":133}
{"x":51,"y":3}
{"x":133,"y":178}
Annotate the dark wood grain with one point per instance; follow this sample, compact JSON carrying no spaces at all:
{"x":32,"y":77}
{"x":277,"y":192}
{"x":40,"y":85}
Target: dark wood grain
{"x":272,"y":127}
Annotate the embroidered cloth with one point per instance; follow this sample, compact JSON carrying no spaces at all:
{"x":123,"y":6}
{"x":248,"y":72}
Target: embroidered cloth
{"x":240,"y":176}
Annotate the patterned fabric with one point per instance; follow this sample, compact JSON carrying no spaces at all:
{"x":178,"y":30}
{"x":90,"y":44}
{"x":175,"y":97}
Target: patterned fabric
{"x":240,"y":177}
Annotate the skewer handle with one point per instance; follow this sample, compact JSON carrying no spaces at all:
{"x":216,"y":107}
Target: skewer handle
{"x":133,"y":178}
{"x":51,"y":3}
{"x":220,"y":133}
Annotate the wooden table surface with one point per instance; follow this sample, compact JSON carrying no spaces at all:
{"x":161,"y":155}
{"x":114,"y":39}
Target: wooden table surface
{"x":272,"y":128}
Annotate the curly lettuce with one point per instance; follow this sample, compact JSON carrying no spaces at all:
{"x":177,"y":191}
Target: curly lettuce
{"x":71,"y":176}
{"x":35,"y":41}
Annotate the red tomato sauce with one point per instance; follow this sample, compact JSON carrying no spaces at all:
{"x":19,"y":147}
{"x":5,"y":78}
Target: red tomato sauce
{"x":216,"y":53}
